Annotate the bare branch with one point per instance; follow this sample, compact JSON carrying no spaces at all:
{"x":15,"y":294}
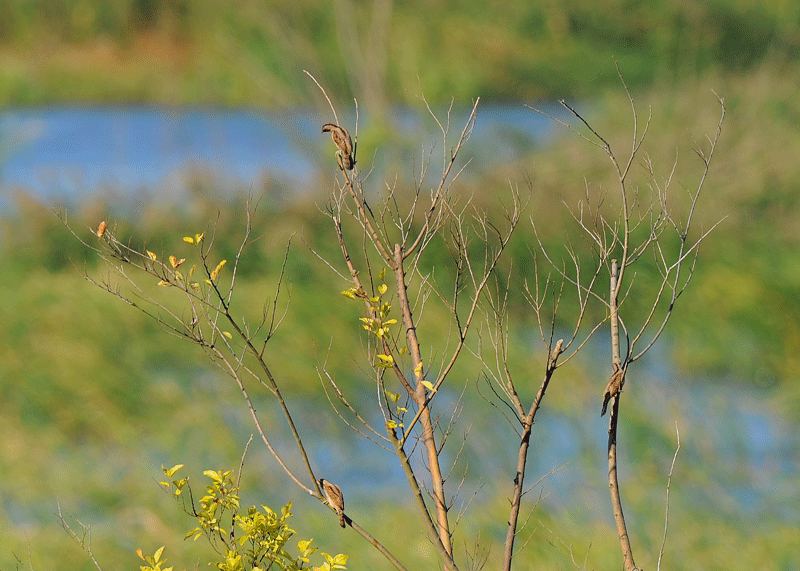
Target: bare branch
{"x":666,"y":501}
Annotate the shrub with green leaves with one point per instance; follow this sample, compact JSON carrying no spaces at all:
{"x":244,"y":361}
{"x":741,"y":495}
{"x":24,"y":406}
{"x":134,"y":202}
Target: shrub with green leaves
{"x":257,"y":540}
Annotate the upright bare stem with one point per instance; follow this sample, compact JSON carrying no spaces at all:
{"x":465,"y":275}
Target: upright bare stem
{"x":613,"y":483}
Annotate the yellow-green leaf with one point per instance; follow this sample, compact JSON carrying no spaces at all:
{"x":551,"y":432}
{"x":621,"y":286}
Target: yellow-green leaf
{"x":227,"y":334}
{"x":383,"y":288}
{"x":152,"y":255}
{"x":418,"y":369}
{"x":163,"y":283}
{"x":386,"y":358}
{"x":218,"y":269}
{"x":172,"y":470}
{"x":349,"y":294}
{"x":428,"y":385}
{"x":188,"y":240}
{"x":382,"y":274}
{"x":199,"y":237}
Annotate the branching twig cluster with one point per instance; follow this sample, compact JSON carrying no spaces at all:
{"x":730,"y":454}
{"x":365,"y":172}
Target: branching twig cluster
{"x":622,"y":230}
{"x":385,"y":245}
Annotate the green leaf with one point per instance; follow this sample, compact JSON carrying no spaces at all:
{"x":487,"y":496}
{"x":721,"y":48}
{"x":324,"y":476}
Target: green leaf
{"x":382,"y":274}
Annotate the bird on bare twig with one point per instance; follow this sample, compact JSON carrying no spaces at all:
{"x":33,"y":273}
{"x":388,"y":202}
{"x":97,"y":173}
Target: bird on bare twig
{"x":335,"y":499}
{"x":342,"y":140}
{"x":614,"y":386}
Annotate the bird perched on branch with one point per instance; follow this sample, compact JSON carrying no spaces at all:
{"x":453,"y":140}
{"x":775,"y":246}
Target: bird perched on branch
{"x":614,"y":386}
{"x":335,"y":499}
{"x":342,"y":140}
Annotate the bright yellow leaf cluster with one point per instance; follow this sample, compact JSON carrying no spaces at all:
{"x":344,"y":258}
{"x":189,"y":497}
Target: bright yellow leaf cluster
{"x":194,"y":241}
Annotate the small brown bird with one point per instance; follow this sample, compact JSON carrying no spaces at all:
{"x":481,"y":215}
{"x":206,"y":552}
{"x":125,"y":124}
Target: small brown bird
{"x":335,"y":498}
{"x":342,"y":140}
{"x":613,"y":387}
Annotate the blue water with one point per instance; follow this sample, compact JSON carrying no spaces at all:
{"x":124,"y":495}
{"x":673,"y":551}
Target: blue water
{"x":71,"y":153}
{"x":65,"y":152}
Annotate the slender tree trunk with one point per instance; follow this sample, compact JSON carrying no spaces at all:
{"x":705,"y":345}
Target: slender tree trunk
{"x":522,"y":458}
{"x":613,"y":482}
{"x":420,"y":398}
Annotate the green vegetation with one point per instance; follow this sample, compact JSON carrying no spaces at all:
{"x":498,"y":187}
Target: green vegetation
{"x":264,"y":534}
{"x":251,"y":53}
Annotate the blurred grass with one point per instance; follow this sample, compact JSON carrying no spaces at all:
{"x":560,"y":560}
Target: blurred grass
{"x":251,"y":53}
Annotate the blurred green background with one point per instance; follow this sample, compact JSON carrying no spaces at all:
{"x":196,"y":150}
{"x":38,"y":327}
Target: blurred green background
{"x":94,"y":397}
